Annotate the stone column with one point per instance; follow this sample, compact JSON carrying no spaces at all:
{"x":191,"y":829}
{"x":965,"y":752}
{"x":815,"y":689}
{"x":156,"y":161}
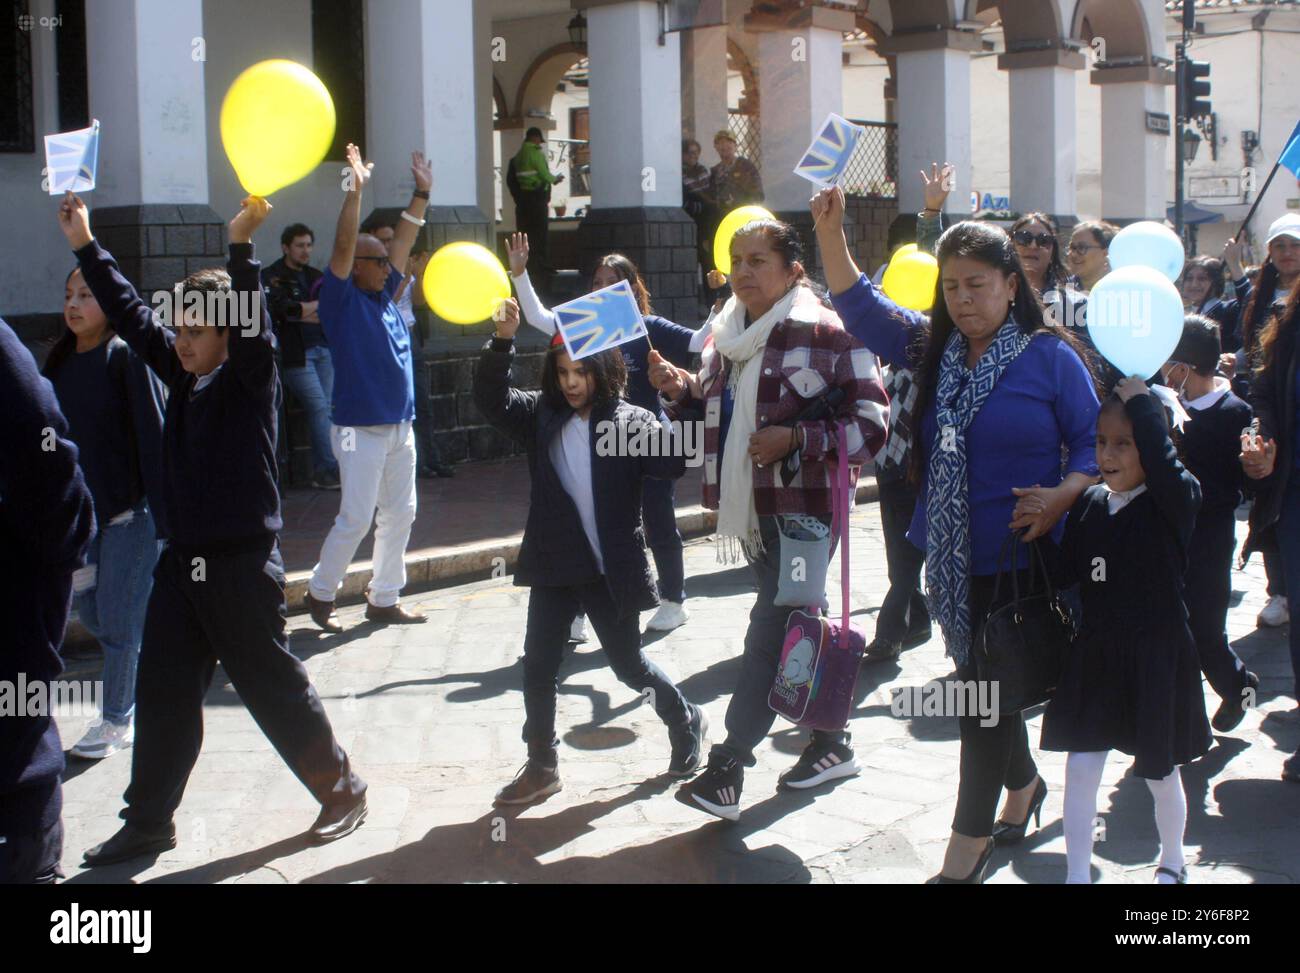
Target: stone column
{"x":636,"y":166}
{"x":934,"y":108}
{"x":1135,"y":162}
{"x":704,"y":87}
{"x":151,"y":205}
{"x":800,"y":81}
{"x":1043,"y":132}
{"x":424,"y":91}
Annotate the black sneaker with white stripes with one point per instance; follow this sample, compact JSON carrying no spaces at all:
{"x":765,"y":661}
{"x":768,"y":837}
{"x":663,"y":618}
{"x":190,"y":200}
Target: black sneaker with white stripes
{"x":717,"y":790}
{"x":821,"y":761}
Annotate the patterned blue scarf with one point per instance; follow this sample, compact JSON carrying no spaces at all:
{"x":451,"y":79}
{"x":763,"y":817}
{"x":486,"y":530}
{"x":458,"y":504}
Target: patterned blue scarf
{"x":960,"y":395}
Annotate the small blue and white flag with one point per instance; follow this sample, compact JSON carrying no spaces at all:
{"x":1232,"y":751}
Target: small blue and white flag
{"x":602,"y":320}
{"x":71,"y":159}
{"x":828,"y":156}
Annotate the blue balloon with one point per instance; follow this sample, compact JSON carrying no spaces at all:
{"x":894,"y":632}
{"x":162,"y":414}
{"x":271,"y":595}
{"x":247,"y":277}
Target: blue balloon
{"x":1148,"y":244}
{"x":1135,"y":318}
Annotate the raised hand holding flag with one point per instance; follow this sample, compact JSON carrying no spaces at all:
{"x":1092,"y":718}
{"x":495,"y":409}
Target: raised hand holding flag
{"x":71,"y":160}
{"x":599,"y":321}
{"x":828,"y":156}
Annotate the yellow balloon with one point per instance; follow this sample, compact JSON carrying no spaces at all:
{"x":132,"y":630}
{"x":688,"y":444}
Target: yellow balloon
{"x":277,"y":124}
{"x":464,"y":283}
{"x":910,"y":278}
{"x":732,"y":222}
{"x":905,"y":248}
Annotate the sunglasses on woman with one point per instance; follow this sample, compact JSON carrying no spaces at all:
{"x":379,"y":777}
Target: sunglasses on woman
{"x":1025,"y":239}
{"x":1082,"y":248}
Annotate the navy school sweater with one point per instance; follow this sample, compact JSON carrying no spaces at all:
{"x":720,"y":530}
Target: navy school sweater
{"x":46,"y":520}
{"x":220,"y":480}
{"x":1211,"y":446}
{"x":115,"y":406}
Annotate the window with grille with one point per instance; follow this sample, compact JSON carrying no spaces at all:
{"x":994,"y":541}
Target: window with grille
{"x":745,"y":130}
{"x":17,"y":117}
{"x":873,"y":169}
{"x":338,"y":42}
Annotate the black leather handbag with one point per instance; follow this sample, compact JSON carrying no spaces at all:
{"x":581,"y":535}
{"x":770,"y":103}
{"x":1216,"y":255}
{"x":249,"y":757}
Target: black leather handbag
{"x":1023,"y":642}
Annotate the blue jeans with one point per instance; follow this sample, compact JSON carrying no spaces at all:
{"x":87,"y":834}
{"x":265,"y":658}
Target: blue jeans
{"x":313,"y":385}
{"x":113,"y":610}
{"x":1288,"y":539}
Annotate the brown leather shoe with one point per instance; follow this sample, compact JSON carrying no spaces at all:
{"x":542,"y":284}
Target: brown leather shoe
{"x":393,"y":615}
{"x":322,"y":613}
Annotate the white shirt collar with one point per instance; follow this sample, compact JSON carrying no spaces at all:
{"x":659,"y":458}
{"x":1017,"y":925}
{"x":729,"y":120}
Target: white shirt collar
{"x":1117,"y":501}
{"x":203,"y":381}
{"x":1221,"y":388}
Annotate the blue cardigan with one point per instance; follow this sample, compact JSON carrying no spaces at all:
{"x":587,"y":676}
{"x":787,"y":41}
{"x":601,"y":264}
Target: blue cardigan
{"x":1043,"y":402}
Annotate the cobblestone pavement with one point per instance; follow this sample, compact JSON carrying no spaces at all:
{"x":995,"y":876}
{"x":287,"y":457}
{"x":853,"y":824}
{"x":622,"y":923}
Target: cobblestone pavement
{"x":431,"y":716}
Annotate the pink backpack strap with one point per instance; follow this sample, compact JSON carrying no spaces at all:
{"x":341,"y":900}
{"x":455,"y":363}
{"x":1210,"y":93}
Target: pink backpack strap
{"x":842,"y":503}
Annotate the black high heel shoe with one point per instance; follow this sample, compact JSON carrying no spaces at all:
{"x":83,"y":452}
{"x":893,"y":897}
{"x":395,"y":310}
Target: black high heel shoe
{"x":976,"y":876}
{"x":1005,"y":833}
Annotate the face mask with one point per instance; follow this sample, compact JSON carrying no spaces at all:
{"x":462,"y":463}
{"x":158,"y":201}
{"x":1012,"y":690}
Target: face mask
{"x":1179,"y":390}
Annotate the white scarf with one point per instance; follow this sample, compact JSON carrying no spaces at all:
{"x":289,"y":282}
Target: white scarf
{"x":743,"y":348}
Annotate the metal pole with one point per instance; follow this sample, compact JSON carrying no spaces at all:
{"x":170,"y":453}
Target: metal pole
{"x":1180,"y":98}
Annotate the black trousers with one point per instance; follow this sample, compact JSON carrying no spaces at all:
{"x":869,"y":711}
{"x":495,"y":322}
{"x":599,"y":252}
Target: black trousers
{"x":228,"y":609}
{"x":903,"y":611}
{"x":1208,"y":587}
{"x":533,"y":216}
{"x":33,"y":858}
{"x":1275,"y":575}
{"x":992,"y":757}
{"x":550,"y":613}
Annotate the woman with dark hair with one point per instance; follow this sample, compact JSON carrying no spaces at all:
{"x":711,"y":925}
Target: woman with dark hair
{"x":1262,"y":304}
{"x":114,"y":406}
{"x":1089,"y":243}
{"x":776,"y":351}
{"x":1272,"y":461}
{"x":1203,"y":283}
{"x":583,"y":491}
{"x":1036,"y":240}
{"x":1001,"y":396}
{"x":678,"y":344}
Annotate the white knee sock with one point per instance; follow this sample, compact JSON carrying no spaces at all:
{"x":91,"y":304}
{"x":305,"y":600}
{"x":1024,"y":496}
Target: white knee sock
{"x":1082,"y":781}
{"x":1171,"y":821}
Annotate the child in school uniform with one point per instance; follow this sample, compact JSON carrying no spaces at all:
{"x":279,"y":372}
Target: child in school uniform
{"x":1211,"y":443}
{"x":218,"y":592}
{"x":581,"y":490}
{"x":1131,"y":681}
{"x":114,"y":406}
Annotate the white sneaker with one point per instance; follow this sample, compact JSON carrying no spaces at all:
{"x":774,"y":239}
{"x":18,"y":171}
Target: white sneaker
{"x":578,"y":630}
{"x":669,"y":616}
{"x":1275,"y":613}
{"x":104,"y":739}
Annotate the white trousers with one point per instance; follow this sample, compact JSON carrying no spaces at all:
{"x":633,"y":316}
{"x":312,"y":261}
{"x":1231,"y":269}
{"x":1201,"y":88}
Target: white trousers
{"x":377,"y":475}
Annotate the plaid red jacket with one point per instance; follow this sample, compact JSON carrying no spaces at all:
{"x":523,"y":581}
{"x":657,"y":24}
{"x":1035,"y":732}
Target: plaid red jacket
{"x":807,"y":354}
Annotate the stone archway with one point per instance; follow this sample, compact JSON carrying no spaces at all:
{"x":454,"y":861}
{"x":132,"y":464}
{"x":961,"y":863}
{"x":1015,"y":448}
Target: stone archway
{"x":1120,"y":23}
{"x":537,"y":87}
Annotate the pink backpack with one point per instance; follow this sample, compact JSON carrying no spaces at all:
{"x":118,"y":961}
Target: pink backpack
{"x":819,"y":663}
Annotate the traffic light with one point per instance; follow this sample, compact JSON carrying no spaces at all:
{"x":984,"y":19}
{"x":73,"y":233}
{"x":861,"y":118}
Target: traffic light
{"x":1196,"y":89}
